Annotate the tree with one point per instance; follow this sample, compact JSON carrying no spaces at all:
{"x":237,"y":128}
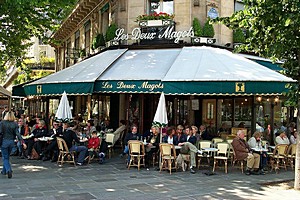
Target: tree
{"x":111,"y":32}
{"x":22,"y":19}
{"x":274,"y":33}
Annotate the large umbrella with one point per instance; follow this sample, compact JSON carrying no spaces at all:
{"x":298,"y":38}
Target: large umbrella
{"x":64,"y":113}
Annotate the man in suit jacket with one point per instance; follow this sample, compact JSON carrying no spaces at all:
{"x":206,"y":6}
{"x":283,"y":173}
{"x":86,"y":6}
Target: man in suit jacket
{"x":243,"y":151}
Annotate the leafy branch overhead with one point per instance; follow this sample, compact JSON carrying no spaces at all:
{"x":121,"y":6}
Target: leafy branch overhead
{"x":20,"y":20}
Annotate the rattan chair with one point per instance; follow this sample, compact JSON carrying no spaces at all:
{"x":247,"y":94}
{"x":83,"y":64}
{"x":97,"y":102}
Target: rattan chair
{"x":110,"y":139}
{"x":168,"y":157}
{"x":137,"y":153}
{"x":291,"y":154}
{"x":204,"y":144}
{"x":64,"y":154}
{"x":222,"y":154}
{"x":279,"y":156}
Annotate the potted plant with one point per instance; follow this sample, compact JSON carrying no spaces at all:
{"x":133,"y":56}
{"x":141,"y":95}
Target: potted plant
{"x":155,"y":19}
{"x":205,"y":34}
{"x":110,"y":34}
{"x":208,"y":30}
{"x":98,"y":41}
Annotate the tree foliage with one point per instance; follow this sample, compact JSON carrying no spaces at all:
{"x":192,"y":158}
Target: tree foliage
{"x":197,"y":27}
{"x":22,"y":19}
{"x":208,"y":29}
{"x":238,"y":36}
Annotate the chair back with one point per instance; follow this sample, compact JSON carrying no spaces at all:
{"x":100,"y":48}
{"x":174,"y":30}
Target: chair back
{"x":280,"y":149}
{"x":135,"y":147}
{"x":167,"y":150}
{"x":110,"y":138}
{"x":204,"y":144}
{"x":223,"y":148}
{"x":216,"y":140}
{"x":229,"y":141}
{"x":62,"y":145}
{"x":291,"y":150}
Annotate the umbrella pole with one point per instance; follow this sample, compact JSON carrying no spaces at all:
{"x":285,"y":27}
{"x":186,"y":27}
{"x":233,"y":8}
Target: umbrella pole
{"x":160,"y":141}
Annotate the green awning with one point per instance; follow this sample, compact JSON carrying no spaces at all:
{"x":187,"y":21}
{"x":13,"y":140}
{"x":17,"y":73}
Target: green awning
{"x":270,"y":65}
{"x":224,"y":88}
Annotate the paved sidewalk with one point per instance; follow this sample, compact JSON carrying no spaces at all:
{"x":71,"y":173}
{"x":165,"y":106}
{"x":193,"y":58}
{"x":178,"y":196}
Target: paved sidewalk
{"x":112,"y":180}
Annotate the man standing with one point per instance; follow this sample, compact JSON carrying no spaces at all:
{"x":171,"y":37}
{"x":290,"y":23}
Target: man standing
{"x":243,"y":151}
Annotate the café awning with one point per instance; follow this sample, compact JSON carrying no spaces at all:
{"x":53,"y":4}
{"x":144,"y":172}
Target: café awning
{"x":77,"y":79}
{"x":4,"y":92}
{"x":214,"y":71}
{"x":137,"y":71}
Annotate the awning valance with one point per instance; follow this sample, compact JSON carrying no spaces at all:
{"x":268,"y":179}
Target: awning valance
{"x":4,"y":92}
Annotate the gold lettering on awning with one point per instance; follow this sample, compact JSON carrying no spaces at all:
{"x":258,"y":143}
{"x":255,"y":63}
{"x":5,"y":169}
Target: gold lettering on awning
{"x":239,"y":87}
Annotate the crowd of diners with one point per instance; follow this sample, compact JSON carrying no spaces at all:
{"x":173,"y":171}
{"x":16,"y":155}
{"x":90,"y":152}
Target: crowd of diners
{"x":28,"y":145}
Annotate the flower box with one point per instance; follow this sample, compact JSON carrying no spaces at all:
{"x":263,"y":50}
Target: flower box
{"x":157,"y":22}
{"x":203,"y":40}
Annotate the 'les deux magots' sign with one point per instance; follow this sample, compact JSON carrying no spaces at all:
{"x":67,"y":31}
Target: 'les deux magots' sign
{"x":136,"y":86}
{"x":169,"y":33}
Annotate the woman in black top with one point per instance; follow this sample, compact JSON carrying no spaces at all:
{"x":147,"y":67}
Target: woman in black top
{"x":9,"y":129}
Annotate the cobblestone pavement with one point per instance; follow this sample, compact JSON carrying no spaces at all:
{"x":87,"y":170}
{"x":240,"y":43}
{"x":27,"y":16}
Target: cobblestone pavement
{"x":112,"y":180}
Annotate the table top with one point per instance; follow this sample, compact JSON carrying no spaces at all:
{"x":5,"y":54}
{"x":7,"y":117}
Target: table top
{"x":259,"y":149}
{"x":209,"y":149}
{"x":26,"y":137}
{"x":83,"y":140}
{"x":45,"y":138}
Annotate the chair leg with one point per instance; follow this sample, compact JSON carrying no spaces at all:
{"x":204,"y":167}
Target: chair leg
{"x":242,"y":166}
{"x":215,"y":162}
{"x":170,"y":166}
{"x":226,"y":170}
{"x":139,"y":162}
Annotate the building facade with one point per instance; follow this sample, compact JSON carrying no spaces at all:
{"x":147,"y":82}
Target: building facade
{"x":208,"y":101}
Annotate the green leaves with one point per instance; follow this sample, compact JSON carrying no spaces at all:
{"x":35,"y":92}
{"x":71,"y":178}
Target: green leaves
{"x":22,"y":19}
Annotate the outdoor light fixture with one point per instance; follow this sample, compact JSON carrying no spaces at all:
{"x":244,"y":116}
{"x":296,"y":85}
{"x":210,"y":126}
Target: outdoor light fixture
{"x":259,"y":98}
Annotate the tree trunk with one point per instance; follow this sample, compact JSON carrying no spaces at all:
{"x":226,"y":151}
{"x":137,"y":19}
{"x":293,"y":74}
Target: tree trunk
{"x":297,"y":160}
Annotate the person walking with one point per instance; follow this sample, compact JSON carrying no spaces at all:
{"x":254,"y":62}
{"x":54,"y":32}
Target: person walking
{"x":9,"y":129}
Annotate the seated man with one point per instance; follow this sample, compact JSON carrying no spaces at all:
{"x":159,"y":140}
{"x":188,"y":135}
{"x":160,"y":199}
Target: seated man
{"x":70,"y":136}
{"x":255,"y":142}
{"x":133,"y":135}
{"x":188,"y":148}
{"x":243,"y":151}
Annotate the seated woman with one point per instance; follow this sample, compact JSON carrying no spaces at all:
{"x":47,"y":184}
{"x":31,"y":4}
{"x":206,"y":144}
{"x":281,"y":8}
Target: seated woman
{"x":255,"y":142}
{"x":282,"y":138}
{"x":153,"y":144}
{"x":171,"y":138}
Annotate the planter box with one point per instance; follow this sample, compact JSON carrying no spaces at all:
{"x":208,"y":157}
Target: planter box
{"x":112,"y":43}
{"x":203,"y":40}
{"x":153,"y":23}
